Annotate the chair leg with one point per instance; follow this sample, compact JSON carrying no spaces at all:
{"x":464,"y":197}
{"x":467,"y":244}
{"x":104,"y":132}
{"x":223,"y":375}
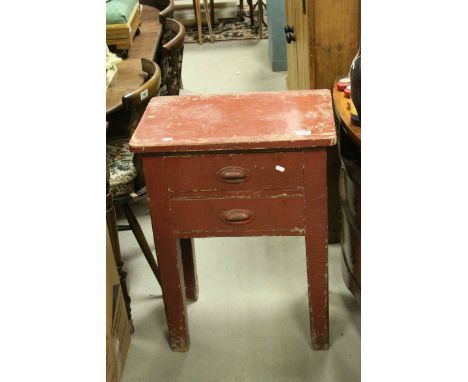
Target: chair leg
{"x":114,"y":238}
{"x":251,"y":12}
{"x":260,"y":19}
{"x":241,"y":10}
{"x":199,"y":21}
{"x":195,"y":10}
{"x":212,"y":12}
{"x":208,"y":20}
{"x":140,"y":237}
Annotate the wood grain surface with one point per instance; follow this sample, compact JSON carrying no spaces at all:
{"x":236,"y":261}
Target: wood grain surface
{"x":145,"y":44}
{"x":128,"y":78}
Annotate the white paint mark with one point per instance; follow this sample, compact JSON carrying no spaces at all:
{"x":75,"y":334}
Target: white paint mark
{"x":144,"y":94}
{"x":167,"y":139}
{"x":303,"y":132}
{"x":280,"y":168}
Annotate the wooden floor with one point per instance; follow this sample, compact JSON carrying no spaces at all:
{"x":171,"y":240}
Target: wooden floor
{"x":144,"y":45}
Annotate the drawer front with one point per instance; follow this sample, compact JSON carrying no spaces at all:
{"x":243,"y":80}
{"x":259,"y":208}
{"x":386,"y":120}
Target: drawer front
{"x":234,"y":172}
{"x":212,"y":217}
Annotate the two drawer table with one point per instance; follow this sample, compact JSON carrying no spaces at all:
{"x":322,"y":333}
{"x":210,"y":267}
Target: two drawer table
{"x":252,"y":164}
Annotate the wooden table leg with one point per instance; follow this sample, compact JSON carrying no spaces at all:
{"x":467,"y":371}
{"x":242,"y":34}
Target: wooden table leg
{"x":251,"y":12}
{"x":260,"y":19}
{"x":199,"y":21}
{"x":241,"y":10}
{"x":316,"y":239}
{"x":190,"y":269}
{"x":168,"y":251}
{"x":208,"y":20}
{"x":212,"y":12}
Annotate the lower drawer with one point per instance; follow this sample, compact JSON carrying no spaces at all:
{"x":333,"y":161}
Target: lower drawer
{"x":215,"y":217}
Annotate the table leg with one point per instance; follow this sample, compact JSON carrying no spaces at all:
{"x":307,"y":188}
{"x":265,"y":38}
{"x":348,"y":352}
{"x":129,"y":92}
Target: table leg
{"x":208,"y":20}
{"x":251,"y":12}
{"x":316,"y":239}
{"x":168,"y":251}
{"x":190,"y":269}
{"x":212,"y":13}
{"x":199,"y":21}
{"x":260,"y":19}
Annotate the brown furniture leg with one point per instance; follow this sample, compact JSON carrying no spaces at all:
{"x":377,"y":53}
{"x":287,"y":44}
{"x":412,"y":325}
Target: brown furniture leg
{"x":315,"y":189}
{"x":208,"y":20}
{"x":114,"y":238}
{"x":140,"y":237}
{"x":169,"y":255}
{"x":241,"y":9}
{"x":212,"y":12}
{"x":260,"y":19}
{"x":199,"y":21}
{"x":195,"y":11}
{"x":251,"y":12}
{"x":190,"y":269}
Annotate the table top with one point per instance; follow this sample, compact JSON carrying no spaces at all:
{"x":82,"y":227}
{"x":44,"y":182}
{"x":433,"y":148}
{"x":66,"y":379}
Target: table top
{"x":128,"y":78}
{"x":340,"y":102}
{"x":246,"y":121}
{"x":145,"y":44}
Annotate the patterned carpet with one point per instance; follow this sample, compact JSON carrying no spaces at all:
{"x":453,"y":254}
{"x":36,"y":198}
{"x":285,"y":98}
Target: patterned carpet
{"x":225,"y":30}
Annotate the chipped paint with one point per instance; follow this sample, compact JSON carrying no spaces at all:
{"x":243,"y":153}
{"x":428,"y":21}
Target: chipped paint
{"x":229,"y":121}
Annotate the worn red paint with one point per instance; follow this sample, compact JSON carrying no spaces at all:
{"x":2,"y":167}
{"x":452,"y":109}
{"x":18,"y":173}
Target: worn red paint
{"x":274,"y":148}
{"x":236,"y":121}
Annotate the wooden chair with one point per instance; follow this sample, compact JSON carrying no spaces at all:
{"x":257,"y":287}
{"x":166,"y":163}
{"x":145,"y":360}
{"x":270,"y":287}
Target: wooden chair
{"x":166,"y":7}
{"x":126,"y":181}
{"x":171,"y":55}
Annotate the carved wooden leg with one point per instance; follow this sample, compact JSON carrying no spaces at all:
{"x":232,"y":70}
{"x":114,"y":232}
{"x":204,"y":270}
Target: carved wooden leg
{"x":140,"y":237}
{"x":199,"y":21}
{"x":190,"y":268}
{"x":169,"y":255}
{"x":208,"y":20}
{"x":114,"y":238}
{"x":316,"y":239}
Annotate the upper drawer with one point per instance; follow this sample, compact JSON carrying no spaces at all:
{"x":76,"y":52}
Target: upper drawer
{"x":234,"y":172}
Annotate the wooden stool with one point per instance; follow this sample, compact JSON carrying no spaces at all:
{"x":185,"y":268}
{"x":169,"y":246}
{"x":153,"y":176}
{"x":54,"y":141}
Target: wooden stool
{"x":232,"y":175}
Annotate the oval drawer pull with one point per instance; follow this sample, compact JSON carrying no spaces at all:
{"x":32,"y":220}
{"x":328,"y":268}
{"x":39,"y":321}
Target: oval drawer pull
{"x":233,"y":174}
{"x":237,"y":216}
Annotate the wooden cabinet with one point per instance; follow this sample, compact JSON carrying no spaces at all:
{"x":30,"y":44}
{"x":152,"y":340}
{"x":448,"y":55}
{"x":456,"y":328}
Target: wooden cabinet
{"x":324,"y":39}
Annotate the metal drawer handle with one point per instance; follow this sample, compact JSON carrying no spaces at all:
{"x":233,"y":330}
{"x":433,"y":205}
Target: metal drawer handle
{"x":232,"y":174}
{"x":237,"y":216}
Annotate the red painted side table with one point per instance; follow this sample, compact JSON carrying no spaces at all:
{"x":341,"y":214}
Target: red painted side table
{"x":236,"y":165}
